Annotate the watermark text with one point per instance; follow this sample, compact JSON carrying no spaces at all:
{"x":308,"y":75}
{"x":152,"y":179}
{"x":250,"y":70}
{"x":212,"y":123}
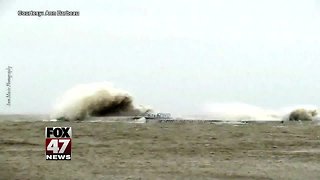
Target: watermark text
{"x":9,"y":70}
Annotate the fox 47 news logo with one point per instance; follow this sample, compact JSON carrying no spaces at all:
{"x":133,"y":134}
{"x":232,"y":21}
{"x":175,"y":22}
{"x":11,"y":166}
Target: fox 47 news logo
{"x":58,"y":143}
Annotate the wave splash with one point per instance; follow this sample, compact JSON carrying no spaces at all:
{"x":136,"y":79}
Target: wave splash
{"x":95,"y":100}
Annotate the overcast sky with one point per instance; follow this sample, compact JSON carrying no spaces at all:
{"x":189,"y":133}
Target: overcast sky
{"x":173,"y":55}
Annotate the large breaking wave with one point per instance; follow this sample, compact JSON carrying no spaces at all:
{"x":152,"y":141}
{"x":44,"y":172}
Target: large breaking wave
{"x":95,"y":99}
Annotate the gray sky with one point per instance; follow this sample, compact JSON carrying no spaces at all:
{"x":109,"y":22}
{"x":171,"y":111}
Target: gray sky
{"x":170,"y":54}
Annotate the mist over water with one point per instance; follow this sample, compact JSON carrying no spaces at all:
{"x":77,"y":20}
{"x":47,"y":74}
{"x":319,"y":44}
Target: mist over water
{"x":237,"y":111}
